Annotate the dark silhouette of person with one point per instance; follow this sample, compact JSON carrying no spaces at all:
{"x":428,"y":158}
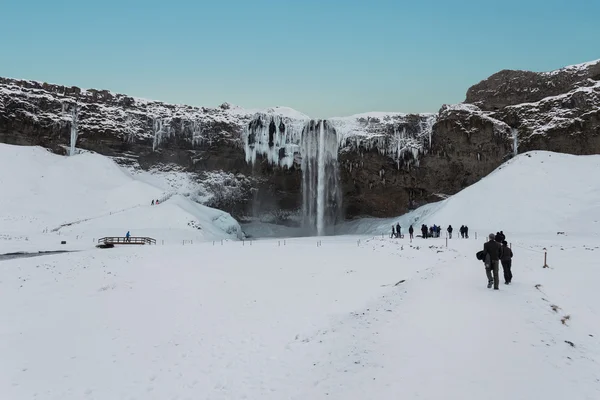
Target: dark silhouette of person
{"x":393,"y":232}
{"x":492,"y":255}
{"x":506,"y":260}
{"x":411,"y":231}
{"x":398,"y":231}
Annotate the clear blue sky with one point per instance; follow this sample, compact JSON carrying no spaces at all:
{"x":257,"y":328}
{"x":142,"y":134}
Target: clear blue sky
{"x":322,"y":57}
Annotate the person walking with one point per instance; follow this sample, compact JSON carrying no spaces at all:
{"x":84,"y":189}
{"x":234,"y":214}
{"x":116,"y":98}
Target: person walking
{"x":492,"y":255}
{"x":466,"y":232}
{"x":128,"y":237}
{"x":506,"y":260}
{"x":398,"y":230}
{"x":393,"y":233}
{"x":450,"y":231}
{"x":411,"y":231}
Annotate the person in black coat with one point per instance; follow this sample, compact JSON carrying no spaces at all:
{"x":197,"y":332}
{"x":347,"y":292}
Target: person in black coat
{"x":398,"y":231}
{"x":411,"y":231}
{"x":492,"y":255}
{"x":506,"y":260}
{"x":450,"y":231}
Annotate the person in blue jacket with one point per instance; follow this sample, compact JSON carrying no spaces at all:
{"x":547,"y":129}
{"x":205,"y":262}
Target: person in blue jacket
{"x":127,"y":236}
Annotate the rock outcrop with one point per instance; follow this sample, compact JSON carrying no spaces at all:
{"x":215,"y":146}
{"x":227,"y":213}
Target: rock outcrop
{"x":248,"y":162}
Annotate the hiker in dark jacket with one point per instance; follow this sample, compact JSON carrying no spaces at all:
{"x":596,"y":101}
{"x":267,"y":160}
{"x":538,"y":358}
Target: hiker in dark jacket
{"x":450,"y":231}
{"x":393,"y":232}
{"x":411,"y":231}
{"x":506,"y":259}
{"x":462,"y":231}
{"x":493,"y":254}
{"x":424,"y":231}
{"x":398,"y":231}
{"x":502,"y":237}
{"x":466,"y":232}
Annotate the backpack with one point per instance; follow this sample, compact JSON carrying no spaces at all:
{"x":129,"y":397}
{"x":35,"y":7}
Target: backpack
{"x":480,"y":255}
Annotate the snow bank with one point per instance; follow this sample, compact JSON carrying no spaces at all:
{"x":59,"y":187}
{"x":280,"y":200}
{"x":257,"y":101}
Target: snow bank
{"x":535,"y":192}
{"x":93,"y":197}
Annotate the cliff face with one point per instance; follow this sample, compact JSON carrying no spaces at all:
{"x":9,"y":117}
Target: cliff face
{"x":249,"y":162}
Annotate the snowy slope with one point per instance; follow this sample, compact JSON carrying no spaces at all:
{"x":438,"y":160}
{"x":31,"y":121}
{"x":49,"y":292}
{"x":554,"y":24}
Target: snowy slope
{"x":349,"y":320}
{"x":42,"y":191}
{"x":535,"y":192}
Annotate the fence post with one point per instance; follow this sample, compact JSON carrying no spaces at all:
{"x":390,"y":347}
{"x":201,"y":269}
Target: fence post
{"x":545,"y":258}
{"x":284,"y":242}
{"x":221,"y":242}
{"x":279,"y":243}
{"x":243,"y":243}
{"x":475,"y":235}
{"x":446,"y":241}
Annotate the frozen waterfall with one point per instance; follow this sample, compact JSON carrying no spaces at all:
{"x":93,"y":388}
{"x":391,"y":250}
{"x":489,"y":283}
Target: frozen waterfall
{"x":321,"y":189}
{"x":73,"y":130}
{"x":314,"y":146}
{"x":515,"y":135}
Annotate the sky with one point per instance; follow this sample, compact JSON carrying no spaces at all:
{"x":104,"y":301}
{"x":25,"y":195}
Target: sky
{"x":322,"y":57}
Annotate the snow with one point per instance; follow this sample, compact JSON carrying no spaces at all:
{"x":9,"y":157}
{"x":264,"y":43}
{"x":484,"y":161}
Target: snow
{"x":43,"y":191}
{"x":340,"y":317}
{"x":537,"y":192}
{"x":573,"y":68}
{"x":219,"y":322}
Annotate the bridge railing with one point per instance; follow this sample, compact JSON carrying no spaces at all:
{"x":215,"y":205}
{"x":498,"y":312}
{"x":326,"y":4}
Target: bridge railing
{"x":125,"y":240}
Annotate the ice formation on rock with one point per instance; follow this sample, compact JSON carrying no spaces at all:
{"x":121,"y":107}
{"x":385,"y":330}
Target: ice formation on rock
{"x":515,"y":135}
{"x":321,"y":188}
{"x":273,"y":136}
{"x":73,"y":142}
{"x":404,"y":138}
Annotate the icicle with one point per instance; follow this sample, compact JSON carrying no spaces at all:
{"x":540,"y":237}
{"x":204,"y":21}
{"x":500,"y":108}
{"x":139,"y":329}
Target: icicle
{"x":515,"y":135}
{"x":74,"y":116}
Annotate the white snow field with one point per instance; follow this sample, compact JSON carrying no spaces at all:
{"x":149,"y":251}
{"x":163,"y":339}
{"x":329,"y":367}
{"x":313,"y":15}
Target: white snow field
{"x":42,"y":191}
{"x":343,"y":317}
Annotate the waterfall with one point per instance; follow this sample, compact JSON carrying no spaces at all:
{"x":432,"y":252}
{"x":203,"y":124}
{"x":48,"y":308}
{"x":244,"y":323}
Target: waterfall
{"x":321,"y":187}
{"x":73,"y":130}
{"x":515,"y":135}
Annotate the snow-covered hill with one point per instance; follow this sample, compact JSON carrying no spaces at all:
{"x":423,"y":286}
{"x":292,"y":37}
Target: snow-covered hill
{"x":538,"y":192}
{"x":89,"y":196}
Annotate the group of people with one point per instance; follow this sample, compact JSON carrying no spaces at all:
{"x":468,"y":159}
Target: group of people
{"x":397,"y":231}
{"x":495,"y":252}
{"x":155,"y":202}
{"x":433,"y":231}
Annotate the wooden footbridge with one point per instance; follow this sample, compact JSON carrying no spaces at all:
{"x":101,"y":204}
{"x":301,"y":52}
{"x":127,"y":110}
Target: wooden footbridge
{"x":108,"y":242}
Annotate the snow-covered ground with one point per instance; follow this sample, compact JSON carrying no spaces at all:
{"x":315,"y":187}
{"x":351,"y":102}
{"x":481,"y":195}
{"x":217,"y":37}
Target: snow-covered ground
{"x":290,"y":320}
{"x":42,"y":191}
{"x":341,"y":317}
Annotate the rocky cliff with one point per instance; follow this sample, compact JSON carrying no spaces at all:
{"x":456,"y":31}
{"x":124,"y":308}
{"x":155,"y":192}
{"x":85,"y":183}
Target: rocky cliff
{"x":249,"y":162}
